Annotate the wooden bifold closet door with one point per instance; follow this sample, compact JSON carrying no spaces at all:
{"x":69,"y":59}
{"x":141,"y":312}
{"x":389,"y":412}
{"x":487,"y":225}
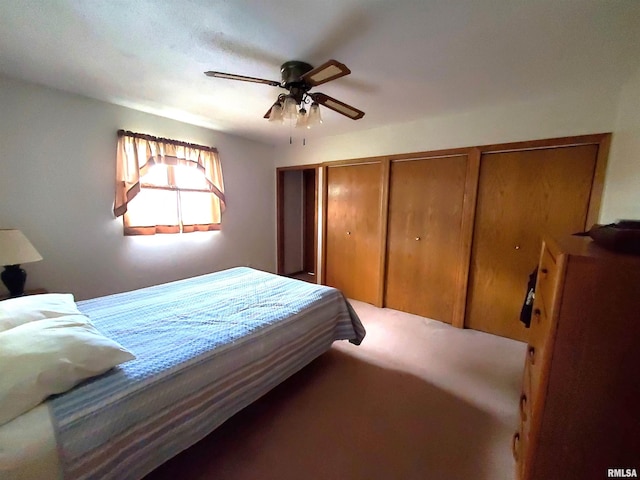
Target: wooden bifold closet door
{"x":354,"y":230}
{"x":453,"y":234}
{"x":522,"y":195}
{"x":424,"y":259}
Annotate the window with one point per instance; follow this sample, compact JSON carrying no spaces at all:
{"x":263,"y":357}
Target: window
{"x":166,"y":186}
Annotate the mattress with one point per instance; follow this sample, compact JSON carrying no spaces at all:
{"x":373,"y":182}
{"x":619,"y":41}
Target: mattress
{"x":206,"y":347}
{"x":28,"y":447}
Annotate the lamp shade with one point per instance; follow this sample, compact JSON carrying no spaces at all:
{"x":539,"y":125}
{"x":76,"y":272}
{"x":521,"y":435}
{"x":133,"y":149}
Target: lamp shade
{"x":15,"y":248}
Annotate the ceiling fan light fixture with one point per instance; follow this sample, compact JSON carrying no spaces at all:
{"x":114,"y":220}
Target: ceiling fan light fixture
{"x":314,"y":115}
{"x":302,"y":119}
{"x":290,"y":108}
{"x":275,"y":114}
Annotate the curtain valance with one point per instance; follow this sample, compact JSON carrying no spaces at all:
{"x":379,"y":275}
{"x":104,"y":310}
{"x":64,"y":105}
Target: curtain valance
{"x":137,"y":152}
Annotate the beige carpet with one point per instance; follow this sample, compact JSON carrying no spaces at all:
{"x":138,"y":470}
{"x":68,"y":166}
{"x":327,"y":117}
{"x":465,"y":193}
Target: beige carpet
{"x":417,"y":400}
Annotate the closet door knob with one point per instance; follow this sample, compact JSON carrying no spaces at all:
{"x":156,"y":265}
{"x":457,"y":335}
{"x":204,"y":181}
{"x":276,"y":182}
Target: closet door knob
{"x":417,"y":238}
{"x":517,"y":247}
{"x":348,"y":233}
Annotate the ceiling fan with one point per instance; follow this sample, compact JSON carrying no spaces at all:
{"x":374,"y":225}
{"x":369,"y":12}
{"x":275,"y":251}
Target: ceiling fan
{"x":298,"y":78}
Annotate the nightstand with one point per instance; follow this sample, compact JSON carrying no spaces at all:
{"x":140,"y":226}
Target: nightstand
{"x":35,"y":291}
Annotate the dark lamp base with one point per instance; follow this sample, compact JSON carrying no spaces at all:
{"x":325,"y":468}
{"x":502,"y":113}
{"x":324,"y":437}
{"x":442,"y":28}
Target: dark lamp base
{"x":14,"y":278}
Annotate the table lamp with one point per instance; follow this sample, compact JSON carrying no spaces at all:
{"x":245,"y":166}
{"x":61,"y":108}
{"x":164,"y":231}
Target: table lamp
{"x":14,"y":250}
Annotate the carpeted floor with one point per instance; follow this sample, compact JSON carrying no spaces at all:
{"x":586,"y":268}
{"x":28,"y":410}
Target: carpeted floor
{"x":417,"y":400}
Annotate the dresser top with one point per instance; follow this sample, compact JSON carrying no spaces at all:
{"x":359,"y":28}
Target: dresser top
{"x":586,"y":247}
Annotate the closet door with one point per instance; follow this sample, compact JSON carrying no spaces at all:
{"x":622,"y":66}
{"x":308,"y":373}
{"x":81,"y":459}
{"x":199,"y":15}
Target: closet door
{"x":424,"y":255}
{"x":522,"y":195}
{"x":354,"y":230}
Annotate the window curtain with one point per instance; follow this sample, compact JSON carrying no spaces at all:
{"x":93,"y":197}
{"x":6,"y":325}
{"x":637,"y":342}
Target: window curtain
{"x":136,"y":154}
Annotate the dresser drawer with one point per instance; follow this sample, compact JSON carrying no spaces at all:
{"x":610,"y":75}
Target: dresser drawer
{"x":517,"y":450}
{"x":534,"y":365}
{"x":539,"y":337}
{"x":535,"y":350}
{"x":548,"y":271}
{"x":524,"y":408}
{"x":540,"y":324}
{"x":523,"y":440}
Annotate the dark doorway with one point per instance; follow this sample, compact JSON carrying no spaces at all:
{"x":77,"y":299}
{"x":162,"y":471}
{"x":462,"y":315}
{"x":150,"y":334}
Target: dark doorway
{"x":297,"y":222}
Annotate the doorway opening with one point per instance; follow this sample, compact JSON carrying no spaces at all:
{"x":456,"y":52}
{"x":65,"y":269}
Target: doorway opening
{"x":297,"y":204}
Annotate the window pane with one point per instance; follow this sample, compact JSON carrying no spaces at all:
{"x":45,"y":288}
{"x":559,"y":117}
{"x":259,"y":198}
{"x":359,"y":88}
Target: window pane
{"x":153,"y":207}
{"x":197,"y":208}
{"x":188,"y":177}
{"x":156,"y":175}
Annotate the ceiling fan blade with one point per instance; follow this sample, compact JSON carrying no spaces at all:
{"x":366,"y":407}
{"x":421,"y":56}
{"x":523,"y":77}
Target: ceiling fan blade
{"x":338,"y":106}
{"x":231,"y":76}
{"x":325,"y":73}
{"x":268,"y":114}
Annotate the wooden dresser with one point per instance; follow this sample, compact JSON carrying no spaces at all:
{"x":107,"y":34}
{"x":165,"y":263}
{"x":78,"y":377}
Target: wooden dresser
{"x":580,"y":401}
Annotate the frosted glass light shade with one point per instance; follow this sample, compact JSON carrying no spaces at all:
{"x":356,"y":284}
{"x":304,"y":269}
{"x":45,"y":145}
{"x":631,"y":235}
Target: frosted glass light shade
{"x":290,"y":108}
{"x":302,"y":121}
{"x":276,"y":113}
{"x":314,"y":115}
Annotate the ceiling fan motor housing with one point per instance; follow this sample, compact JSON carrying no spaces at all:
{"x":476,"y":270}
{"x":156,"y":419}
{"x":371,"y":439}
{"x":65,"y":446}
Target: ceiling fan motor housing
{"x":292,"y":73}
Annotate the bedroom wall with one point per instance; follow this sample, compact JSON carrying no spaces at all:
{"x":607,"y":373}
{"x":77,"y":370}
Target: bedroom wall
{"x":565,"y":114}
{"x":570,"y":113}
{"x":622,"y":189}
{"x":57,"y":171}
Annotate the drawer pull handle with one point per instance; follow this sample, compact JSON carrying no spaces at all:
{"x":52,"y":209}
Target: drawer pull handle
{"x":532,"y":355}
{"x":515,"y":444}
{"x":523,"y":407}
{"x":348,"y":233}
{"x":537,"y":315}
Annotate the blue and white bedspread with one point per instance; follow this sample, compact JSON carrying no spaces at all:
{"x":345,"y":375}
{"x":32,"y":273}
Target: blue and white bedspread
{"x":206,"y":347}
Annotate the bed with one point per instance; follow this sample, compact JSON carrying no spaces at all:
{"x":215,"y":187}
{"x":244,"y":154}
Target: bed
{"x":205,"y":348}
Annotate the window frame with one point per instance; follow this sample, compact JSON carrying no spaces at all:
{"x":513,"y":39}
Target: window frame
{"x":138,"y":153}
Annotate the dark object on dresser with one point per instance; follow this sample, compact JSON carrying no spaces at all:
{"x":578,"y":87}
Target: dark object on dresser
{"x":527,"y":305}
{"x":622,"y":236}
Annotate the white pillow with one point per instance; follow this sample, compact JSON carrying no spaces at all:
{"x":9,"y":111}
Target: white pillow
{"x":50,"y":356}
{"x":20,"y":310}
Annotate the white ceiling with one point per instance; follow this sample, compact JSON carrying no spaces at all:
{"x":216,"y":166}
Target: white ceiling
{"x":409,"y":58}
